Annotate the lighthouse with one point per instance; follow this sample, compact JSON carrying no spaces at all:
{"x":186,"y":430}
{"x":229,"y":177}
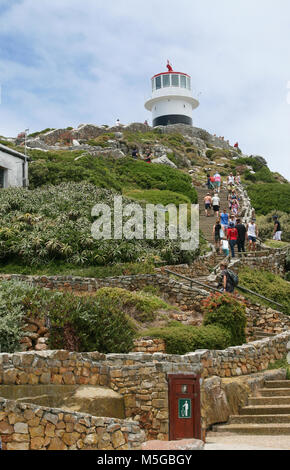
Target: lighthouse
{"x":172,"y":101}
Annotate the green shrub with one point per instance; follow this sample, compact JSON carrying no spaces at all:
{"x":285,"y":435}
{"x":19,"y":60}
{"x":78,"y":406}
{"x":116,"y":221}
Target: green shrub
{"x":267,"y":284}
{"x":140,"y":305}
{"x":54,"y":224}
{"x":270,"y":197}
{"x":225,"y":311}
{"x":81,"y":324}
{"x":182,"y":339}
{"x":87,"y":324}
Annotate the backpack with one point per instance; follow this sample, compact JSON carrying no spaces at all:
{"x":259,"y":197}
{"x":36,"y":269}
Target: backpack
{"x":234,"y":278}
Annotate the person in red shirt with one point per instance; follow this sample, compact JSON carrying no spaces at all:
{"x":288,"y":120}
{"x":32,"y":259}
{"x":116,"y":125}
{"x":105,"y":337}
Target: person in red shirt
{"x":232,"y":237}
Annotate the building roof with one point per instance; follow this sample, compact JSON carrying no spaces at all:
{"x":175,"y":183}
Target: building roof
{"x":13,"y":152}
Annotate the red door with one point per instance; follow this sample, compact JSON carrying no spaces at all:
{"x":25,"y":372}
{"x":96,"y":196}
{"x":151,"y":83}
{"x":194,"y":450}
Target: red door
{"x":184,"y":407}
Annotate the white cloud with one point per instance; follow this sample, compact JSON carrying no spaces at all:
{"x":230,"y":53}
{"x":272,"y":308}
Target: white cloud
{"x":66,"y":62}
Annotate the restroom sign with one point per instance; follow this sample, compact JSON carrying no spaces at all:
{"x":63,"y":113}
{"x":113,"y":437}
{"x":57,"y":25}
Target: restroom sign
{"x":184,"y":408}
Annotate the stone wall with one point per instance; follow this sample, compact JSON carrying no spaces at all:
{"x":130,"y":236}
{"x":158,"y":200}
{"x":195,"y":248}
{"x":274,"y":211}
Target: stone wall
{"x":141,"y":378}
{"x":29,"y":427}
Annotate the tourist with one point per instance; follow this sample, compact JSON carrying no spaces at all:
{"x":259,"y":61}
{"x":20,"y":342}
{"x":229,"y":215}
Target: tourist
{"x":217,"y":235}
{"x":232,"y":237}
{"x":231,"y":179}
{"x":236,"y":146}
{"x":209,"y":186}
{"x":148,"y":156}
{"x":224,"y":220}
{"x":238,"y":179}
{"x":241,"y":236}
{"x":207,"y":204}
{"x":217,"y":181}
{"x":225,"y":247}
{"x":135,"y":153}
{"x":216,"y":204}
{"x":252,"y":235}
{"x":227,"y":283}
{"x":277,"y":234}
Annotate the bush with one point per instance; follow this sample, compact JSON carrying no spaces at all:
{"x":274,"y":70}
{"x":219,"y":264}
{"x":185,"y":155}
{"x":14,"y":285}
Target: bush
{"x":267,"y":284}
{"x":54,"y":224}
{"x":225,"y":311}
{"x":81,"y":324}
{"x":140,"y":305}
{"x":270,"y":197}
{"x":182,"y":339}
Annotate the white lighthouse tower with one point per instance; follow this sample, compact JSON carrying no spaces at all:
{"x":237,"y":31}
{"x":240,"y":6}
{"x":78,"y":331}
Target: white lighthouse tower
{"x":172,"y":101}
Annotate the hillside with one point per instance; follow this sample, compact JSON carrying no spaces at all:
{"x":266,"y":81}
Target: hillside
{"x":51,"y":223}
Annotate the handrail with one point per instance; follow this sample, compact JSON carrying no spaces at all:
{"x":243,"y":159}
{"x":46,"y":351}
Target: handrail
{"x":192,"y":280}
{"x":217,"y":290}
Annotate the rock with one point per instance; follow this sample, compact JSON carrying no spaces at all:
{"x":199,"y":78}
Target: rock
{"x":75,"y":143}
{"x":183,"y":444}
{"x":164,"y":161}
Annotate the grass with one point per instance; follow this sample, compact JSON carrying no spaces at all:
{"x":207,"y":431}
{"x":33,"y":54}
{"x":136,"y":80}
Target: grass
{"x":281,"y":364}
{"x":67,"y":269}
{"x":276,"y":244}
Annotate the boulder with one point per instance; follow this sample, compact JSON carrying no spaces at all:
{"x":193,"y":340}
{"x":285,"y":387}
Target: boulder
{"x":164,"y":161}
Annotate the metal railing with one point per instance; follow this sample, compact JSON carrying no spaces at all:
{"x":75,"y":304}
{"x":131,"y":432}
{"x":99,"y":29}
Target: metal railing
{"x":193,"y":281}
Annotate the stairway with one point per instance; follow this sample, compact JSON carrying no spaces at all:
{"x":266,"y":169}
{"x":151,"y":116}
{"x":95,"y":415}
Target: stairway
{"x":206,"y":223}
{"x":268,"y":414}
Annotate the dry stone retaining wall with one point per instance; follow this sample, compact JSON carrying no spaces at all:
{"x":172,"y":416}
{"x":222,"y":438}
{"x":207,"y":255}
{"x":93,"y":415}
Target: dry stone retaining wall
{"x":140,"y":378}
{"x":29,"y":427}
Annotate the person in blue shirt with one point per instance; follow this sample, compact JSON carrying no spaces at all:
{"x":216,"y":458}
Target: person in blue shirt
{"x":224,"y":220}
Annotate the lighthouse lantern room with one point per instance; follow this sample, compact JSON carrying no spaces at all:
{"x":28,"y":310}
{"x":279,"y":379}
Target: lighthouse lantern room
{"x":172,"y":101}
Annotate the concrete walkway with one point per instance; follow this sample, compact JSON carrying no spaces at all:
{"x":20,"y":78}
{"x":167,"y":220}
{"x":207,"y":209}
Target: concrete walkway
{"x":241,"y":442}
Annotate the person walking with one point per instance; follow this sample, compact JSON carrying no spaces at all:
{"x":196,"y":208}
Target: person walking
{"x":241,"y":236}
{"x":217,"y":235}
{"x":207,"y":204}
{"x":217,"y":181}
{"x":135,"y":153}
{"x":277,"y":234}
{"x":252,"y":235}
{"x":216,"y":204}
{"x":224,"y":220}
{"x":226,"y":282}
{"x":232,"y":237}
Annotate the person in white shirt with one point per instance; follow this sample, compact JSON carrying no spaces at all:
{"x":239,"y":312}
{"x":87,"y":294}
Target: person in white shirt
{"x":252,"y":234}
{"x":216,"y":204}
{"x":231,"y":179}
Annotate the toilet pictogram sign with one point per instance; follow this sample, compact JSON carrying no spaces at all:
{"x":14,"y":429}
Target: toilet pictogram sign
{"x":184,"y":408}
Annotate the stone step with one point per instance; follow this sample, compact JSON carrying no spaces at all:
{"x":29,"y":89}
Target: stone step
{"x":273,"y":400}
{"x":278,"y":392}
{"x":265,"y":410}
{"x":260,"y":419}
{"x":254,"y":429}
{"x":277,"y":384}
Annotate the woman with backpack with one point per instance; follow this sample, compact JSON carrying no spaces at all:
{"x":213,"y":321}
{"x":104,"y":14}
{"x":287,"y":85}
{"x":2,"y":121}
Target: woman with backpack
{"x":229,"y":279}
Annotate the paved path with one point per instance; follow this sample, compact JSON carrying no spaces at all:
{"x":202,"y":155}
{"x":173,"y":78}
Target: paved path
{"x":240,"y":442}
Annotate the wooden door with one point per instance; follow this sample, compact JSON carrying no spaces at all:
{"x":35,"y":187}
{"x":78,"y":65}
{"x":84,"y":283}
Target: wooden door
{"x":184,"y":407}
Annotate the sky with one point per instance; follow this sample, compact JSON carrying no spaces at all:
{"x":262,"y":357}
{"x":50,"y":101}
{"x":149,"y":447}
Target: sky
{"x":65,"y":63}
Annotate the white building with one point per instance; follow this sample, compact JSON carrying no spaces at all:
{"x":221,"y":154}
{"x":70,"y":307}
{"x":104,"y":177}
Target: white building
{"x":172,"y":101}
{"x":13,"y":168}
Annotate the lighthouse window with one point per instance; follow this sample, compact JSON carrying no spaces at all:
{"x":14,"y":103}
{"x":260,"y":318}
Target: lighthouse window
{"x":158,"y":82}
{"x":166,"y":80}
{"x":175,"y":80}
{"x":183,"y":81}
{"x":188,"y":83}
